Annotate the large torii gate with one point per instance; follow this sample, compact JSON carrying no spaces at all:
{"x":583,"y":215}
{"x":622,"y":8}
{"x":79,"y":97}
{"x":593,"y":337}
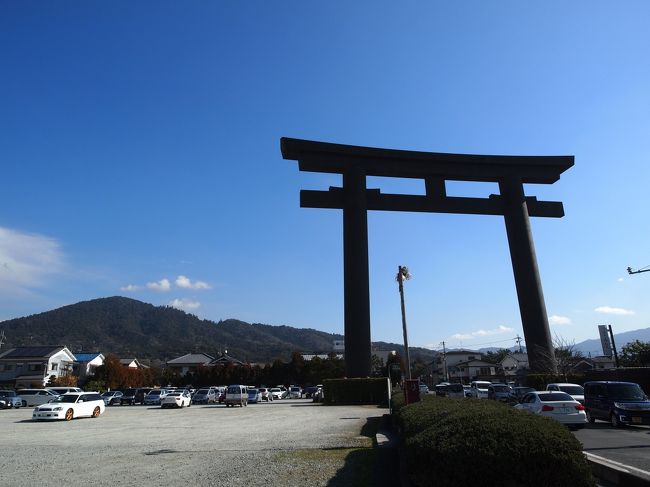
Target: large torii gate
{"x":354,"y":163}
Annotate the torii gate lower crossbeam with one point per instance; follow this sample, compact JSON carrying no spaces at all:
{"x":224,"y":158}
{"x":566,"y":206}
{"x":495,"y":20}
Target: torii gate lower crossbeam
{"x":510,"y":172}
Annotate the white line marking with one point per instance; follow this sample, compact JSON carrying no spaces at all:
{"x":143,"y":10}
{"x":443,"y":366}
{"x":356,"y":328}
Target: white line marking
{"x":618,"y":464}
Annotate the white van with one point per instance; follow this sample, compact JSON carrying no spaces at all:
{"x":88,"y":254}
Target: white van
{"x":479,"y":388}
{"x":237,"y":394}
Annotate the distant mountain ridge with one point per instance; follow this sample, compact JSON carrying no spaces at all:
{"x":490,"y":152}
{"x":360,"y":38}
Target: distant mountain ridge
{"x":129,"y":327}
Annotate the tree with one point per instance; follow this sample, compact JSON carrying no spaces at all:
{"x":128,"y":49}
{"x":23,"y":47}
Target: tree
{"x":496,"y":357}
{"x":636,"y":354}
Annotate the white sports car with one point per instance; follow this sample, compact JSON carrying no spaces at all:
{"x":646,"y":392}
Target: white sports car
{"x":176,"y":399}
{"x":71,"y":405}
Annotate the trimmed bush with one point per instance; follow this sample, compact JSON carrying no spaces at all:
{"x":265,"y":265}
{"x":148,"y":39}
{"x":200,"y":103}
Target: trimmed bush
{"x":356,"y":391}
{"x":451,"y":442}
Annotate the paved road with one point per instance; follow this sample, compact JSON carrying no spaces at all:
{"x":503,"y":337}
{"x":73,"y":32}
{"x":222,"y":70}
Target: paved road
{"x":282,"y":443}
{"x":630,"y":445}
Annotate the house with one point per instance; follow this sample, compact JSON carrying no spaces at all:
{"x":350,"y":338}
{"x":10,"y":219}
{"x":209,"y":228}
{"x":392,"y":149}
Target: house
{"x":85,"y":364}
{"x":189,"y":362}
{"x":133,"y":363}
{"x":470,"y":370}
{"x":590,"y":363}
{"x":323,"y":356}
{"x":225,"y":359}
{"x":514,"y":364}
{"x":443,"y":363}
{"x":24,"y":367}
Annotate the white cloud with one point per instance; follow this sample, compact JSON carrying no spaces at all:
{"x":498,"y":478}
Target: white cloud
{"x":483,"y":333}
{"x":161,"y":286}
{"x":185,"y":283}
{"x":130,"y":288}
{"x":609,"y":310}
{"x":620,"y":279}
{"x":184,"y":304}
{"x":27,"y":260}
{"x":559,"y":320}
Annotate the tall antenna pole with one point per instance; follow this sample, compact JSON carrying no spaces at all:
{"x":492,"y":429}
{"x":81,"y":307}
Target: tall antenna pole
{"x":518,"y":340}
{"x":445,"y":372}
{"x":402,"y":274}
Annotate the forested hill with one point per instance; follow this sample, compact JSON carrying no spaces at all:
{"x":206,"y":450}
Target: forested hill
{"x":129,"y":327}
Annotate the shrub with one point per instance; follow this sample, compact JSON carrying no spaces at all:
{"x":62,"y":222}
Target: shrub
{"x":356,"y":391}
{"x":450,"y":442}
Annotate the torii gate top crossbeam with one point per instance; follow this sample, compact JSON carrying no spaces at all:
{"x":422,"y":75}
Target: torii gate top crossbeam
{"x":338,"y":158}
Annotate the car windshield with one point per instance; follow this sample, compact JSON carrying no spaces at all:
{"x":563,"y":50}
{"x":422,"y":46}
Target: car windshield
{"x":573,"y":390}
{"x":501,"y":388}
{"x":175,"y":394}
{"x":626,"y":392}
{"x":66,"y":398}
{"x":202,"y":391}
{"x":275,"y":389}
{"x":7,"y":394}
{"x":252,"y":391}
{"x":295,"y":389}
{"x":154,"y":393}
{"x":129,"y":392}
{"x":455,"y":388}
{"x":555,"y":396}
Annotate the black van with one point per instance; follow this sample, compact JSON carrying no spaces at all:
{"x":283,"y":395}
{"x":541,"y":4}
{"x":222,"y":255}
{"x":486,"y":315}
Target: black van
{"x":620,"y":403}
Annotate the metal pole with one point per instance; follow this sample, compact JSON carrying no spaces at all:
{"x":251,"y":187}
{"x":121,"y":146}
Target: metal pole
{"x":400,"y":280}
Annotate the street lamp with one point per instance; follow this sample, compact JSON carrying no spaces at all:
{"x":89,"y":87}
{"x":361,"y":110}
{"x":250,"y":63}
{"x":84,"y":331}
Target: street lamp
{"x":402,"y":275}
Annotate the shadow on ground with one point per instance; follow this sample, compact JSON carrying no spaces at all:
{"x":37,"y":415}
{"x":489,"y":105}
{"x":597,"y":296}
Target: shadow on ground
{"x":371,"y":466}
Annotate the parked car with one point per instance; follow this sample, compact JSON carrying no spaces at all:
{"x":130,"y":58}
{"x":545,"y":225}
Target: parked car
{"x":71,"y":405}
{"x":424,"y":389}
{"x":576,"y":391}
{"x":276,"y":393}
{"x":559,"y":406}
{"x":128,"y":397}
{"x":205,"y":396}
{"x":265,"y":394}
{"x":519,"y":392}
{"x":500,"y":392}
{"x":154,"y":396}
{"x":36,"y":397}
{"x":620,"y":403}
{"x":319,"y":395}
{"x":10,"y":399}
{"x":64,"y":390}
{"x":176,"y":399}
{"x":254,"y":396}
{"x":309,"y":391}
{"x":479,"y":389}
{"x":455,"y":390}
{"x":237,"y":394}
{"x":111,"y":398}
{"x":468,"y":390}
{"x":141,"y":393}
{"x":441,"y":389}
{"x":295,"y":392}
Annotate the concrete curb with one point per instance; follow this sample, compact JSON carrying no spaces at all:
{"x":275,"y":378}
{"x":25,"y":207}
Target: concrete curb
{"x":616,"y":473}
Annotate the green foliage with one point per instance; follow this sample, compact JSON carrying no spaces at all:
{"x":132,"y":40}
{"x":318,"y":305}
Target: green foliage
{"x":635,"y":354}
{"x":356,"y":391}
{"x":496,"y":357}
{"x":450,"y":442}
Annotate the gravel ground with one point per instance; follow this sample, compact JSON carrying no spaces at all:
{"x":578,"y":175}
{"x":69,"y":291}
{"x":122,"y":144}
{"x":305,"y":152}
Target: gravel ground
{"x":283,"y":443}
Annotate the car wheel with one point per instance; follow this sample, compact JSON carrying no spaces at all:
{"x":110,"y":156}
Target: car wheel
{"x":69,"y":414}
{"x":615,"y":421}
{"x":590,"y":418}
{"x":24,"y":403}
{"x":96,"y":412}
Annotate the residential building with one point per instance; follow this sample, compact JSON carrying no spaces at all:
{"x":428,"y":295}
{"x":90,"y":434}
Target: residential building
{"x":22,"y":367}
{"x":470,"y":370}
{"x":514,"y":364}
{"x":189,"y":362}
{"x":133,"y":363}
{"x":444,"y":362}
{"x":85,"y":364}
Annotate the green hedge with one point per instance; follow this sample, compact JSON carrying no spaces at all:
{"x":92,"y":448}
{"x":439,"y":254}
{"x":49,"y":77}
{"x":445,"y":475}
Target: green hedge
{"x":450,"y":442}
{"x":356,"y":391}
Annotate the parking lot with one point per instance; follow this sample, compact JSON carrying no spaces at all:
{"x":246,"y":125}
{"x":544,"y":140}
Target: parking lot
{"x":262,"y":444}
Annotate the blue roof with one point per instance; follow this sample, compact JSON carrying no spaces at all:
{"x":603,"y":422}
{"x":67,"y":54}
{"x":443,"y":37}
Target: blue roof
{"x":85,"y":357}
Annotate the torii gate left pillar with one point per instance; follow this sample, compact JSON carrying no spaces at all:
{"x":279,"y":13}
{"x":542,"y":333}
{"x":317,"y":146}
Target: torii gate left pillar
{"x":510,"y":172}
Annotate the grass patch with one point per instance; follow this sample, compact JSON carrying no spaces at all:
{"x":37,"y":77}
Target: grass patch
{"x":331,"y":466}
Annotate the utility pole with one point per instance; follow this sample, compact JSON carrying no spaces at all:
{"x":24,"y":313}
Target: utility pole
{"x":403,"y":274}
{"x":518,"y":340}
{"x":2,"y":338}
{"x":445,"y":372}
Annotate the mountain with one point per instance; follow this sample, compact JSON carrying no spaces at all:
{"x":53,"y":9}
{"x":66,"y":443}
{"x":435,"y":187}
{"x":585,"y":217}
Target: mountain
{"x":128,"y":327}
{"x":594,"y":347}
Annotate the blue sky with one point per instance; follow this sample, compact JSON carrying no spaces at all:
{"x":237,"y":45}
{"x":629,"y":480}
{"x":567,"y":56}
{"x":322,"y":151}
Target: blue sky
{"x":140,"y":157}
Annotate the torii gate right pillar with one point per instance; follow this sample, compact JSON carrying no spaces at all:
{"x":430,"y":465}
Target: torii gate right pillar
{"x":527,"y":281}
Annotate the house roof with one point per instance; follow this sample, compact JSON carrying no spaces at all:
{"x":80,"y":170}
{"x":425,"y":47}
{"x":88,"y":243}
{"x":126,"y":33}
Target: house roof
{"x":32,"y":352}
{"x":226,"y":359}
{"x":475,"y":363}
{"x":519,"y":357}
{"x":191,"y":359}
{"x":86,"y":357}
